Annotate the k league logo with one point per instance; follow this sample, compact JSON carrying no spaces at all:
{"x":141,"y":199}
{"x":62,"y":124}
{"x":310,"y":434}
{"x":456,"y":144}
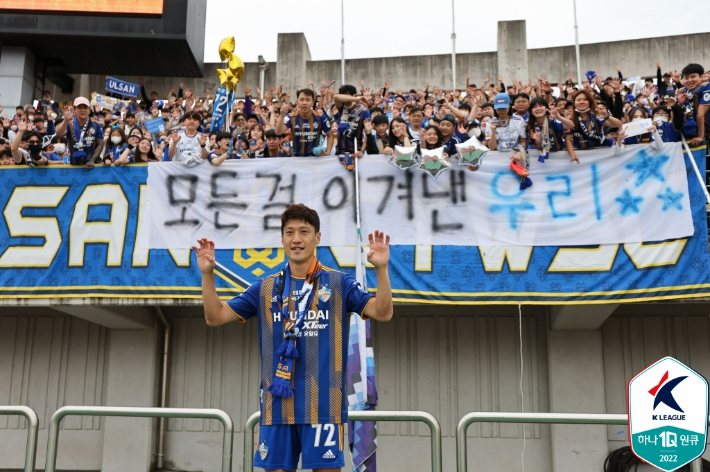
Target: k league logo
{"x":668,"y":414}
{"x":663,"y":392}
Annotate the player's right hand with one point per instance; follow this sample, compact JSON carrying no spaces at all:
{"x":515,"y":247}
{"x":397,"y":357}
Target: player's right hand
{"x":205,"y":255}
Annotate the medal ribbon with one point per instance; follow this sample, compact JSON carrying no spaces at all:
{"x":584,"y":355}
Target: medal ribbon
{"x":78,"y":134}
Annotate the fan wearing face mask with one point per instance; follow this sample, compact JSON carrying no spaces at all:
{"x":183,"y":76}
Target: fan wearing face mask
{"x":57,"y":151}
{"x":31,"y":141}
{"x":669,"y":122}
{"x":651,"y":137}
{"x":114,"y":146}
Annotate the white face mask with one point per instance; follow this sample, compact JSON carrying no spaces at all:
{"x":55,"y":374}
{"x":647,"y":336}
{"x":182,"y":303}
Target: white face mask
{"x":637,"y":119}
{"x":115,"y":139}
{"x":475,"y":132}
{"x":53,"y":116}
{"x":59,"y":148}
{"x":661,"y":119}
{"x":13,"y":127}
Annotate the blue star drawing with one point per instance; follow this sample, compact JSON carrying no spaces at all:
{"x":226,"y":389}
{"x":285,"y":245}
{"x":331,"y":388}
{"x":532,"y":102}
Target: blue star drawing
{"x":646,"y":167}
{"x":629,"y":202}
{"x":671,"y":199}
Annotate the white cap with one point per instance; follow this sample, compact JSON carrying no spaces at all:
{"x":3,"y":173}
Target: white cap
{"x":82,"y":101}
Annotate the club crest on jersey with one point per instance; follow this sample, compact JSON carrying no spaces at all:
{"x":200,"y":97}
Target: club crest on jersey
{"x":324,"y":293}
{"x":263,"y":450}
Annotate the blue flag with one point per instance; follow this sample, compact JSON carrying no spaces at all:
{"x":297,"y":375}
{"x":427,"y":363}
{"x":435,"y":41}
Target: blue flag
{"x":155,"y":126}
{"x":219,"y":109}
{"x":122,"y":88}
{"x":361,"y":388}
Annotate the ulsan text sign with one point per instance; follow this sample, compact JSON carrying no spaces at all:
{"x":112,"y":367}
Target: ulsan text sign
{"x":668,"y":414}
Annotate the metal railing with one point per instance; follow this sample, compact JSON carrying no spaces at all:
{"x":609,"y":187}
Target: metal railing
{"x":32,"y":428}
{"x":422,"y":416}
{"x":553,"y":418}
{"x":138,"y":412}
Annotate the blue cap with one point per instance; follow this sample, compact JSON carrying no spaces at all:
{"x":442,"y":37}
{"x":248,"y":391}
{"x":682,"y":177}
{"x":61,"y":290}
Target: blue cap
{"x":502,"y":100}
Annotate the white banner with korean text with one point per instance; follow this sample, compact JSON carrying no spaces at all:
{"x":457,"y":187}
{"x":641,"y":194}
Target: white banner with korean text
{"x":640,"y":195}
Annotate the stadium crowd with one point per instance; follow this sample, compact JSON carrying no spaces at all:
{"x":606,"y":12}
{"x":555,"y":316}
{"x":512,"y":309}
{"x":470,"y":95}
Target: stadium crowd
{"x":317,"y":121}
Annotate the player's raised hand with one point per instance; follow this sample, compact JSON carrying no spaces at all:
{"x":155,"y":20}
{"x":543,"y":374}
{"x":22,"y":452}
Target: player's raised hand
{"x":379,"y":254}
{"x":205,"y":255}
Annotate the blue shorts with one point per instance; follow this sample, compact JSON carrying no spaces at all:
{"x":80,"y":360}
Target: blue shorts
{"x":320,"y":445}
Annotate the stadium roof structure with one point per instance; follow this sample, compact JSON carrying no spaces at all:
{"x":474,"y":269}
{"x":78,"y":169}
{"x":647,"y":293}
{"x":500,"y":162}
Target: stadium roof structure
{"x":170,"y":43}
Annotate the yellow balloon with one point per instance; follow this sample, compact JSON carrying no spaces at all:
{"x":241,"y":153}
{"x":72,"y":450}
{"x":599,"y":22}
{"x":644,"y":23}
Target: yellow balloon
{"x":225,"y":76}
{"x":235,"y":82}
{"x":226,"y":47}
{"x":236,"y":66}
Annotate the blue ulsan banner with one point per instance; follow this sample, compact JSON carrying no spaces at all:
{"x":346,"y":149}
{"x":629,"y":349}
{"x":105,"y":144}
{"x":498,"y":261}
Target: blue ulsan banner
{"x":122,"y":87}
{"x":70,"y":232}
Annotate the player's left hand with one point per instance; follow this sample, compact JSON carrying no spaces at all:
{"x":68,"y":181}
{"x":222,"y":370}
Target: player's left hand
{"x":379,"y":254}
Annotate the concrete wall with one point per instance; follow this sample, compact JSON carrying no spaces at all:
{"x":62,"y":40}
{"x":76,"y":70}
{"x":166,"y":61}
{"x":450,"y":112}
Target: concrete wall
{"x":447,"y":362}
{"x":17,"y":72}
{"x":635,"y":57}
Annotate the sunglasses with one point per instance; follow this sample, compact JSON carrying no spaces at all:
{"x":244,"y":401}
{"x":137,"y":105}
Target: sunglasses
{"x":33,"y":142}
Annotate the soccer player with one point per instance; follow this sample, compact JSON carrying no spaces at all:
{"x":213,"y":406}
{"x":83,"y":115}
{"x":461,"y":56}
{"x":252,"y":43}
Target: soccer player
{"x":306,"y":126}
{"x":351,"y":116}
{"x":303,"y":330}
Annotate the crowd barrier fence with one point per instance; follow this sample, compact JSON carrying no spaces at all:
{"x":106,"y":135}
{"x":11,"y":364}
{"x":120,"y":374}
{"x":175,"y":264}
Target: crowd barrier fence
{"x":370,"y":415}
{"x":549,"y":418}
{"x":139,"y":412}
{"x":32,"y":429}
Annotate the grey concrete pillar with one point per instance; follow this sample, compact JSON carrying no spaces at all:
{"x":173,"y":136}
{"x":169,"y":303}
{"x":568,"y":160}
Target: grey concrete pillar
{"x":512,"y":51}
{"x":577,"y":386}
{"x":84,"y":86}
{"x":291,"y":56}
{"x":17,"y":77}
{"x":132,"y":381}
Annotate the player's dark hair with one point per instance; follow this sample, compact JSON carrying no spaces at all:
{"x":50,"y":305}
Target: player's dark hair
{"x":692,"y":69}
{"x":222,"y":135}
{"x":307,"y":92}
{"x":347,"y":90}
{"x":415,"y":110}
{"x":193,"y":115}
{"x":380,"y":120}
{"x":29,"y":134}
{"x":299,"y":211}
